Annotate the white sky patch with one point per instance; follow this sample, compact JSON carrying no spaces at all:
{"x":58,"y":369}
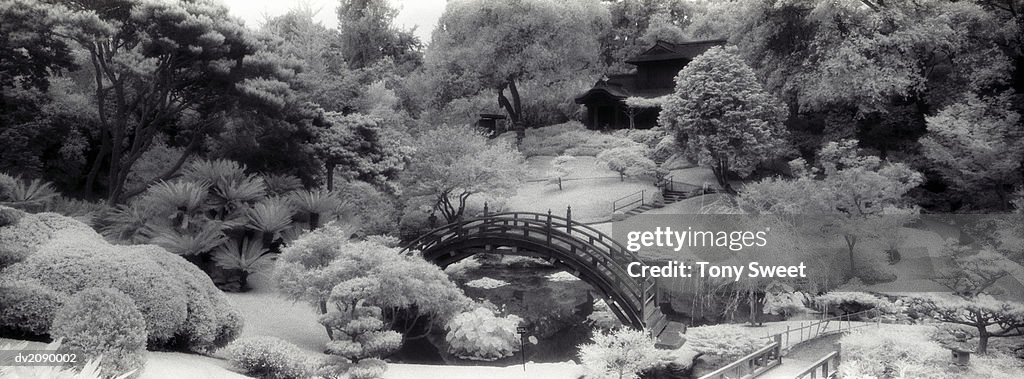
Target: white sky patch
{"x":421,"y":14}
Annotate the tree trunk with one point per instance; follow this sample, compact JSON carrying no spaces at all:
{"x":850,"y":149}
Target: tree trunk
{"x":851,"y":242}
{"x":982,"y":340}
{"x":323,"y":311}
{"x":721,"y":171}
{"x":330,"y":177}
{"x":514,"y":108}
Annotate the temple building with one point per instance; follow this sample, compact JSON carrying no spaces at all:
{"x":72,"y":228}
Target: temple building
{"x":621,"y":101}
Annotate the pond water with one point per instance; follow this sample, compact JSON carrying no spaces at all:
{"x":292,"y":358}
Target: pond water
{"x":553,"y":305}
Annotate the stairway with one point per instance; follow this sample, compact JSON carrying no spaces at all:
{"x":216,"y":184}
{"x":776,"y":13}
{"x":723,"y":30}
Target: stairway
{"x":669,"y":198}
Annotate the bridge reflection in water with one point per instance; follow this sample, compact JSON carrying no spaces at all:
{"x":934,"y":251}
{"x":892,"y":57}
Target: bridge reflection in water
{"x":587,"y":253}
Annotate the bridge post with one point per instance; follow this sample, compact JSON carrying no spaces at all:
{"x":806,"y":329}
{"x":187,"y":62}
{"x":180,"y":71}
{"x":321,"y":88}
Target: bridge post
{"x":568,"y":218}
{"x":548,"y":226}
{"x":486,"y":211}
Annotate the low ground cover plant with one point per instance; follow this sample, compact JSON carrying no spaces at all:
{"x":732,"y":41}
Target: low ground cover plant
{"x":269,"y":358}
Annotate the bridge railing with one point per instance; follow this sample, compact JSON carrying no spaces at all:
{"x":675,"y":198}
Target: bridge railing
{"x":826,"y":326}
{"x":630,"y":201}
{"x":825,"y":368}
{"x":751,"y":365}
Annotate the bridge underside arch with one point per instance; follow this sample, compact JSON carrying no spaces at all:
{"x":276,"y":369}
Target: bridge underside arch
{"x":624,"y":297}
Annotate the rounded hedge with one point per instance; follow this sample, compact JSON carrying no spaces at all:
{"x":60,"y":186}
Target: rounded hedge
{"x":268,"y":357}
{"x":28,"y":307}
{"x":18,"y":240}
{"x":103,"y":322}
{"x":182,"y":307}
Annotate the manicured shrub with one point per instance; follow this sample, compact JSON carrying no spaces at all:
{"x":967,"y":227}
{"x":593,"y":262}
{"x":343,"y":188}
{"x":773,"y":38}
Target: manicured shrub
{"x":9,"y":216}
{"x":268,"y":357}
{"x":721,"y":344}
{"x":893,"y":351}
{"x":623,"y":354}
{"x":483,"y":336}
{"x":182,"y":308}
{"x":647,"y":137}
{"x":628,"y":161}
{"x":875,"y":270}
{"x":842,"y":303}
{"x":27,"y":306}
{"x":19,"y":240}
{"x":664,"y":149}
{"x":103,"y":321}
{"x":570,"y":138}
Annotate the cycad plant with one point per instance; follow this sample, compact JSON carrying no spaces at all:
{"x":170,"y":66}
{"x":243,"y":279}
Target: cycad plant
{"x":231,"y":198}
{"x":270,"y":218}
{"x":316,"y":205}
{"x":179,"y":201}
{"x":247,"y":255}
{"x":190,"y":242}
{"x":281,"y":184}
{"x":29,"y":195}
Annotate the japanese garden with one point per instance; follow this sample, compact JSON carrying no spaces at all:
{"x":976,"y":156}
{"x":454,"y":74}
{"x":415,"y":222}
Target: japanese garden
{"x":197,"y":189}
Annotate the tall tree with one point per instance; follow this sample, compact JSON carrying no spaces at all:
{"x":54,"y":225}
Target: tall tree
{"x":172,"y":67}
{"x":368,"y":34}
{"x":30,"y":47}
{"x":722,"y":116}
{"x":358,"y":145}
{"x":453,"y":163}
{"x":975,"y":146}
{"x":502,"y":43}
{"x":632,"y":20}
{"x":862,"y":191}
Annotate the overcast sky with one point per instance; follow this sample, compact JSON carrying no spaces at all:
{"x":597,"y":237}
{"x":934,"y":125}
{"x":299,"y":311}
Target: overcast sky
{"x":422,"y":14}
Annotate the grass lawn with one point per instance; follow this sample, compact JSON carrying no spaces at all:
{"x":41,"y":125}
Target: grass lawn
{"x":589,"y":189}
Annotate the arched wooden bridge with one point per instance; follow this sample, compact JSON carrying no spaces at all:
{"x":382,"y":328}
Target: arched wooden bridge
{"x":580,"y":249}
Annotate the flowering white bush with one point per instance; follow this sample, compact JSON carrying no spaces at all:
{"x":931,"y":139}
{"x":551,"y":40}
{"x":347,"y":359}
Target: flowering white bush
{"x":481,"y":335}
{"x":268,"y":357}
{"x":621,"y":354}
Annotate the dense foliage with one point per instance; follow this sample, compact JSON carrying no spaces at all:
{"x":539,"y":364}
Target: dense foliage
{"x":103,"y":322}
{"x":624,"y":353}
{"x":723,"y":117}
{"x":268,"y":358}
{"x":181,"y":307}
{"x":481,"y":335}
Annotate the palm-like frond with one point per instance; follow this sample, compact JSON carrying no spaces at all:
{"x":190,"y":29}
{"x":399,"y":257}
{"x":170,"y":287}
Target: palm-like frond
{"x":271,"y":216}
{"x":177,"y":198}
{"x":215,"y":172}
{"x":7,"y":184}
{"x":190,"y":243}
{"x":319,"y":201}
{"x":250,"y":257}
{"x":127,"y":222}
{"x":28,"y":194}
{"x":281,"y":184}
{"x":232,"y":194}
